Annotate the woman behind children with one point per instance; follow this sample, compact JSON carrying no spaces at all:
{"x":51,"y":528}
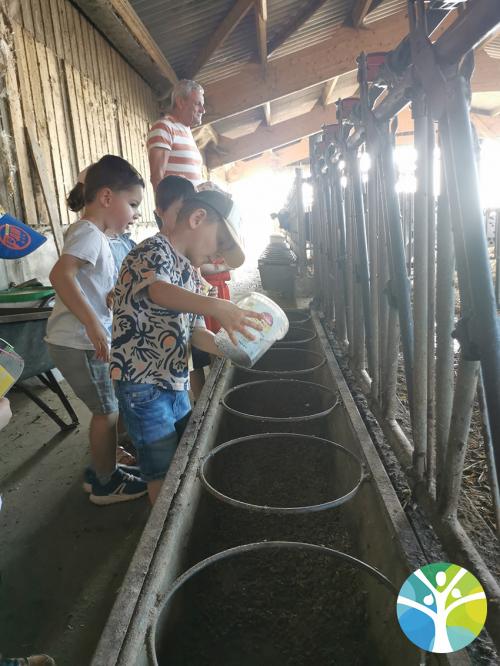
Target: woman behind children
{"x":79,"y":328}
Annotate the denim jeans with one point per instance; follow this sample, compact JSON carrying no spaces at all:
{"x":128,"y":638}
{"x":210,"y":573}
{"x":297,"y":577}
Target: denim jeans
{"x":150,"y":415}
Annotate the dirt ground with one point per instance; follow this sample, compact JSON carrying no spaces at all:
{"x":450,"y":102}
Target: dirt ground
{"x":62,"y":559}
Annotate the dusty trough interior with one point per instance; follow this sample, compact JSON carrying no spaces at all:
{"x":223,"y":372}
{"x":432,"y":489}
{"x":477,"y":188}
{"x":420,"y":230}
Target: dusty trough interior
{"x":282,"y":604}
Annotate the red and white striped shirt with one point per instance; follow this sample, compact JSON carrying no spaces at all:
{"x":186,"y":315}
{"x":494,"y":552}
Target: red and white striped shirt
{"x":184,"y":159}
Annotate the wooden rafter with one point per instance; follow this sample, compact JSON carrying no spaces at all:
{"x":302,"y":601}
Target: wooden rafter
{"x":229,"y":23}
{"x":124,"y":10}
{"x":271,"y":159}
{"x":267,"y":113}
{"x":261,"y":29}
{"x":299,"y":19}
{"x":327,"y":92}
{"x":314,"y":64}
{"x":266,"y":138}
{"x":359,"y":11}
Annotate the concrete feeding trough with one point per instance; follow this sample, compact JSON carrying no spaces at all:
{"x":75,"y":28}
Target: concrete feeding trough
{"x":296,"y":337}
{"x":270,"y":603}
{"x":301,"y":318}
{"x":278,"y":405}
{"x":203,"y":588}
{"x":285,"y":363}
{"x":281,"y":473}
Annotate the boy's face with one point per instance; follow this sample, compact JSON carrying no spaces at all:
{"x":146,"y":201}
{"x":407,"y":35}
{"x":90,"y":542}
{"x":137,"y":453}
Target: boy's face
{"x":209,"y":239}
{"x":169,"y":216}
{"x":122,"y":207}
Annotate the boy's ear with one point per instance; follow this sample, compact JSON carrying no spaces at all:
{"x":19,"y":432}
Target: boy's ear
{"x":197,"y":217}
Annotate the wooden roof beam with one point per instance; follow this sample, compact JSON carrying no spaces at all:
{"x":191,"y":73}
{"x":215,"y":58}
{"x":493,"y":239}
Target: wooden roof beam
{"x":278,"y":159}
{"x":267,"y":113}
{"x":297,"y":21}
{"x":327,"y":92}
{"x":261,"y":28}
{"x":359,"y":11}
{"x":266,"y":138}
{"x":124,"y":10}
{"x":308,"y":67}
{"x":232,"y":19}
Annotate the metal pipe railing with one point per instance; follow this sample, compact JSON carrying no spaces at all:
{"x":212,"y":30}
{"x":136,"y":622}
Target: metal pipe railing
{"x":413,"y":282}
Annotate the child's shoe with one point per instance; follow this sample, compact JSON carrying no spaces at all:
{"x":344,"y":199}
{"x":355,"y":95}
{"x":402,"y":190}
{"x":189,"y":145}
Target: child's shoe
{"x":90,"y":477}
{"x":122,"y":487}
{"x":35,"y":660}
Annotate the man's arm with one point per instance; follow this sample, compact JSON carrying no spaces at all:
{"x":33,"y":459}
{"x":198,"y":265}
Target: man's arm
{"x":158,"y":161}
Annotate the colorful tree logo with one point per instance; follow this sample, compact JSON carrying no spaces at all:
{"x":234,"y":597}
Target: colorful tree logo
{"x":441,"y":607}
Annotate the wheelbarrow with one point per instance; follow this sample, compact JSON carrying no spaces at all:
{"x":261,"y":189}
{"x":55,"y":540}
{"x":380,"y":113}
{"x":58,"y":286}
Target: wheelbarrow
{"x":24,"y":328}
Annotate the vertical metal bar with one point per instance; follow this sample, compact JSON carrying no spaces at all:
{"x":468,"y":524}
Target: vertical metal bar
{"x":362,"y":252}
{"x":492,"y":476}
{"x":431,"y":319}
{"x":401,"y":282}
{"x":330,"y":276}
{"x":445,"y":309}
{"x":465,"y":392}
{"x":420,"y":290}
{"x":497,"y":257}
{"x":349,"y":271}
{"x":485,"y":327}
{"x":339,"y":215}
{"x":300,"y":220}
{"x":374,"y":275}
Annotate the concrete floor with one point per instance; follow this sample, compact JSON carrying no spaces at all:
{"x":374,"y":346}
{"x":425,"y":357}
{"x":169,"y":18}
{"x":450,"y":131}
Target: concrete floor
{"x":62,"y":559}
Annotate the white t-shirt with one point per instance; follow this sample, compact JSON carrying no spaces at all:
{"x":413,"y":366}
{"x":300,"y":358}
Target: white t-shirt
{"x":95,"y":279}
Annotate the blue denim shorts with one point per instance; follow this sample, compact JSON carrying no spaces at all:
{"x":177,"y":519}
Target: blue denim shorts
{"x":152,"y":417}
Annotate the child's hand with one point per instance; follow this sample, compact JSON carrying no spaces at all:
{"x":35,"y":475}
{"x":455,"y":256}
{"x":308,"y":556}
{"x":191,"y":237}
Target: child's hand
{"x":99,"y":339}
{"x":235,"y":320}
{"x":109,"y":299}
{"x":5,"y":413}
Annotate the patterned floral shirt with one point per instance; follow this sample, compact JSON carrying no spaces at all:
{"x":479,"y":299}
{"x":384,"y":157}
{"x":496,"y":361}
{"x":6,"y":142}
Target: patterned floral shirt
{"x":150,"y":343}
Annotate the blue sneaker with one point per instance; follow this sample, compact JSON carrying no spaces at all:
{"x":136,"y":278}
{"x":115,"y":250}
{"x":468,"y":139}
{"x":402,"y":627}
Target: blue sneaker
{"x":90,"y":477}
{"x":122,"y":487}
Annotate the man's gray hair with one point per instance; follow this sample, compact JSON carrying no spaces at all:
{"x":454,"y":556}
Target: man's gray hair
{"x":184,"y":88}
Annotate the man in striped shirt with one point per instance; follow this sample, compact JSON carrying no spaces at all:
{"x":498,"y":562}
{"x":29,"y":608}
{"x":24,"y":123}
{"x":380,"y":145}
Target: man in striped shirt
{"x":172,"y":149}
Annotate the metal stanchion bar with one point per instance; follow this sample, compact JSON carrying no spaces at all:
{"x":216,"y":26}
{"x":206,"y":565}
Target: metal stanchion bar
{"x":480,"y":19}
{"x":490,"y":459}
{"x":339,"y":231}
{"x":300,"y":220}
{"x":445,"y":310}
{"x":485,"y":329}
{"x":374,"y":277}
{"x":465,"y":392}
{"x":349,"y":267}
{"x":362,"y":253}
{"x":497,"y":257}
{"x":400,"y":283}
{"x":388,"y":313}
{"x":420,"y":292}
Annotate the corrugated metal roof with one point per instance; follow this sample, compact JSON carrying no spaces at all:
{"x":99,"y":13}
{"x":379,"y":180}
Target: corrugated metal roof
{"x":493,"y":48}
{"x":317,"y":29}
{"x":385,"y":9}
{"x":181,"y":27}
{"x":239,"y":48}
{"x":231,"y":127}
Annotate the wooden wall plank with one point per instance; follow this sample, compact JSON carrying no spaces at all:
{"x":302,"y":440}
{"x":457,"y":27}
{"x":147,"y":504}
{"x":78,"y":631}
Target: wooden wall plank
{"x":14,"y":97}
{"x":79,"y":99}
